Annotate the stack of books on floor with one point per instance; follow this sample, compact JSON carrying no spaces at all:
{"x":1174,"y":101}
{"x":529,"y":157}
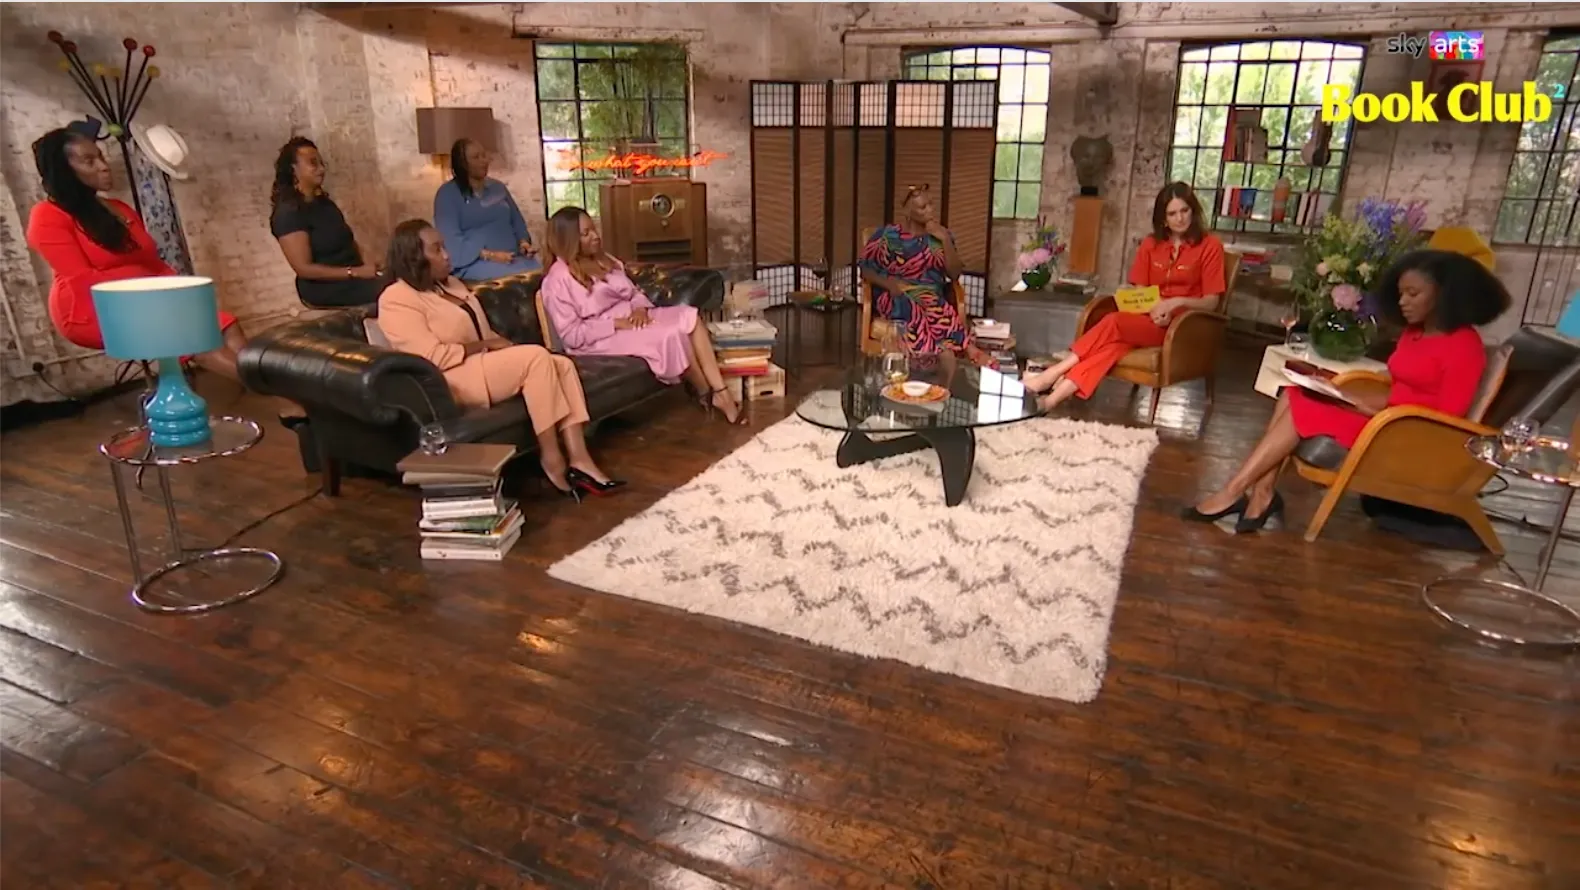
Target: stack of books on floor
{"x":743,"y":346}
{"x":464,"y":513}
{"x":995,"y":339}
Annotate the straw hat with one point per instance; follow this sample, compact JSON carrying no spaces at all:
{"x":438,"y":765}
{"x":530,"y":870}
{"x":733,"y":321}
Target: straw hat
{"x":164,"y":147}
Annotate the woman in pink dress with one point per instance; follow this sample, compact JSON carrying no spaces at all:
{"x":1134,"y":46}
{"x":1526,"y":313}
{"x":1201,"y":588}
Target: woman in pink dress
{"x":596,"y":309}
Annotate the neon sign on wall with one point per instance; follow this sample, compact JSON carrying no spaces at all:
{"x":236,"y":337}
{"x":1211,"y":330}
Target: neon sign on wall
{"x":641,"y":164}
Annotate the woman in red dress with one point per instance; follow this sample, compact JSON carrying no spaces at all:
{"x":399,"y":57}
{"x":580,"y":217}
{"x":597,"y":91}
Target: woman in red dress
{"x":87,"y":239}
{"x":1182,"y":260}
{"x":1440,"y":297}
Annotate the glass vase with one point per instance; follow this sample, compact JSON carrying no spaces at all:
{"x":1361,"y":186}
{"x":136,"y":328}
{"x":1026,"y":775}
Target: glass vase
{"x":1037,"y":278}
{"x":1338,"y":335}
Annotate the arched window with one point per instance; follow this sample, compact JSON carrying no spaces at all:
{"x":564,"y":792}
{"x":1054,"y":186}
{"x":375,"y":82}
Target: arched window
{"x":1243,"y":114}
{"x":1543,"y":189}
{"x":1022,"y":76}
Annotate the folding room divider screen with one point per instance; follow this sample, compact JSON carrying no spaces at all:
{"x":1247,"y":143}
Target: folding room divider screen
{"x":830,"y":161}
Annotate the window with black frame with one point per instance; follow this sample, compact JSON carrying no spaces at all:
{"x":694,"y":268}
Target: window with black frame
{"x":597,"y":100}
{"x":1542,"y":192}
{"x":1246,"y":117}
{"x":1022,"y":76}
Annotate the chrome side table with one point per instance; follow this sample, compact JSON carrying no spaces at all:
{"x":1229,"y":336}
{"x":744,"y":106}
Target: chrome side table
{"x":1552,"y":462}
{"x":132,"y":448}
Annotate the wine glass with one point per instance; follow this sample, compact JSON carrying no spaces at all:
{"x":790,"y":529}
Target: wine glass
{"x":1518,"y":436}
{"x":1289,"y":319}
{"x":896,"y":366}
{"x":431,"y":439}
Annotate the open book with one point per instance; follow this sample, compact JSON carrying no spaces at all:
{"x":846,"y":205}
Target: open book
{"x":1319,"y":386}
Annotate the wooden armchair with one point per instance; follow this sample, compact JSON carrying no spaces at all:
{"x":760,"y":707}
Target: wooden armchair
{"x":1417,"y":456}
{"x":1190,"y":348}
{"x":870,"y":345}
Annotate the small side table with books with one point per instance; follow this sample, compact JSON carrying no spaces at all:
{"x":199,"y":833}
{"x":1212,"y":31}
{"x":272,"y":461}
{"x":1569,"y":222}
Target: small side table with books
{"x":744,"y":349}
{"x":465,"y":515}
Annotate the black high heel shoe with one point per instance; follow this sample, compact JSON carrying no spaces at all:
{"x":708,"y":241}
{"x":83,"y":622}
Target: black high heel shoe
{"x":1191,"y":514}
{"x":582,"y":482}
{"x":1248,"y":523}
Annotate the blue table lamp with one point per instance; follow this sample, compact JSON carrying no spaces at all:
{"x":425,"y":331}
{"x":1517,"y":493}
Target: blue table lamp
{"x":162,"y":319}
{"x":1569,"y":322}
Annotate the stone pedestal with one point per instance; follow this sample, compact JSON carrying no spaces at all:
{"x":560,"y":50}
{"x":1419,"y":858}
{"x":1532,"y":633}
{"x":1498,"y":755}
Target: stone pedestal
{"x":1085,"y":233}
{"x":1043,"y":322}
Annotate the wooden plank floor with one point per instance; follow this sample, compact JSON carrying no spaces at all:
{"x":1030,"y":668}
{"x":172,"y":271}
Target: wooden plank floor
{"x":1275,"y":714}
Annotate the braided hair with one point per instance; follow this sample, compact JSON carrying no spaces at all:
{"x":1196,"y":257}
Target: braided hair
{"x":71,"y":194}
{"x":284,"y":192}
{"x":463,"y":174}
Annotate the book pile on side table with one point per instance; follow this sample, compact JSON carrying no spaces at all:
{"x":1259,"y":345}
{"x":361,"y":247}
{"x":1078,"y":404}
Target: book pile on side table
{"x":744,"y":348}
{"x":994,"y":338}
{"x":464,"y":513}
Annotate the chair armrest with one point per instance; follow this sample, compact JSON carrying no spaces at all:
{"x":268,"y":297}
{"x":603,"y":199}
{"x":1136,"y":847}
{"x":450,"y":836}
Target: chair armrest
{"x":1094,"y":311}
{"x":1420,"y":447}
{"x":1363,"y":381}
{"x":1361,"y":377}
{"x":1190,"y":348}
{"x":682,"y":286}
{"x":371,"y":383}
{"x":1399,"y":413}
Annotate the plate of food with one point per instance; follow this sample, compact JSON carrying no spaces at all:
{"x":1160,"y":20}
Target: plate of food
{"x":915,"y":392}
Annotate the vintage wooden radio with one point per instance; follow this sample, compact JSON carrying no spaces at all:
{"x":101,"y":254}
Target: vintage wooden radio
{"x":656,"y":220}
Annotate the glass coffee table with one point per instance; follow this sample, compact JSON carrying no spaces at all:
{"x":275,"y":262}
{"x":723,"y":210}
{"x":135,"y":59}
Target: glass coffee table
{"x":879,"y":421}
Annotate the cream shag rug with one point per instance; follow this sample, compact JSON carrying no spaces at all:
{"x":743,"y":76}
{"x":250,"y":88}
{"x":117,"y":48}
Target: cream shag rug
{"x":1014,"y":587}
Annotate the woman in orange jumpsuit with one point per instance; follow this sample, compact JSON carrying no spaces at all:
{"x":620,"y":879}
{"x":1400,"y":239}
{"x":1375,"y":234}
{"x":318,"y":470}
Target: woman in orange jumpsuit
{"x":1182,"y":260}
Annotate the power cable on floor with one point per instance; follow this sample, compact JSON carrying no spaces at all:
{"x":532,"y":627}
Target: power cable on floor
{"x":268,"y":516}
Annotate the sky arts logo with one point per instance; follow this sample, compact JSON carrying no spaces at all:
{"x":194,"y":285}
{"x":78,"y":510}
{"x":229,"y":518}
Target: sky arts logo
{"x":1443,"y":46}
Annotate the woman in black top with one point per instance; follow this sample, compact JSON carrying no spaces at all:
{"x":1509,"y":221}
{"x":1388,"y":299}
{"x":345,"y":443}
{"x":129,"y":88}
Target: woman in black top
{"x":313,"y":234}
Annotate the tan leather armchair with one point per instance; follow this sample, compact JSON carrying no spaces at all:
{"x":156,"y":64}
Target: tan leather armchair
{"x":1415,"y":455}
{"x":1190,"y":348}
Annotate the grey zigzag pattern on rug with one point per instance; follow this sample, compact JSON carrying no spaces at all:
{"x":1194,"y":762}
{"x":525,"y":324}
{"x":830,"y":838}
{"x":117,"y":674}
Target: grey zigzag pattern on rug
{"x":1015,"y":587}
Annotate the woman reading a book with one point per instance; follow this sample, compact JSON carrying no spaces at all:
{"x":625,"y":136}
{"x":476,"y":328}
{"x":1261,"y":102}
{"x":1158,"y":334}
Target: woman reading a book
{"x":427,"y":311}
{"x":1440,"y":297}
{"x":595,"y":309}
{"x":1182,"y":260}
{"x":911,"y":266}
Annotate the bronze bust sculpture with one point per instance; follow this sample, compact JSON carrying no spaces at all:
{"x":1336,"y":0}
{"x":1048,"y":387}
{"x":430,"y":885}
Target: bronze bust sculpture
{"x":1092,"y":157}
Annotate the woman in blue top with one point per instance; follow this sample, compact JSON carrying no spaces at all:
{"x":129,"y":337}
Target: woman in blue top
{"x":482,"y":226}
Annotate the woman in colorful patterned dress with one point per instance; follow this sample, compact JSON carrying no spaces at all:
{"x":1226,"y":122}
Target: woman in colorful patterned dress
{"x":911,"y":265}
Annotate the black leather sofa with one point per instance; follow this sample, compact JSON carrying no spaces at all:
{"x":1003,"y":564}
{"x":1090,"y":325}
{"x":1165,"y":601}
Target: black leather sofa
{"x":366,"y":403}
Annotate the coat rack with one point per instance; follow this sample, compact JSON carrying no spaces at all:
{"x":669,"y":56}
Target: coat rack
{"x":116,"y":97}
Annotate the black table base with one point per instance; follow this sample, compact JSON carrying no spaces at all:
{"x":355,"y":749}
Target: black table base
{"x":956,"y":447}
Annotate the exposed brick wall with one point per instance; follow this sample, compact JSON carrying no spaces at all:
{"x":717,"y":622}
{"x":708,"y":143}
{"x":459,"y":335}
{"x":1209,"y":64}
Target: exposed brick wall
{"x":239,"y":79}
{"x":233,"y":84}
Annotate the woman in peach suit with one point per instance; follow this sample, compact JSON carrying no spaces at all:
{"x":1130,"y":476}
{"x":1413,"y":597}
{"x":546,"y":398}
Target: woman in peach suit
{"x":431,"y":313}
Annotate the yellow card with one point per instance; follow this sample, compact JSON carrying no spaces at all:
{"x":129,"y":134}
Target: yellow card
{"x":1136,"y":300}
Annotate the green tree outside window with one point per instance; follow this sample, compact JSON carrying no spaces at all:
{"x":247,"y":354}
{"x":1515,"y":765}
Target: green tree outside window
{"x":1542,"y":193}
{"x":598,"y":99}
{"x":1022,"y":76}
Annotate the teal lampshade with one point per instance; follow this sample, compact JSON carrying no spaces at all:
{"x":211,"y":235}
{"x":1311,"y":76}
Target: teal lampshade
{"x":153,"y":318}
{"x":162,"y":319}
{"x":1569,"y":322}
